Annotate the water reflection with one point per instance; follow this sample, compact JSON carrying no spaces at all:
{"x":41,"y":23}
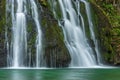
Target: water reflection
{"x":16,"y":75}
{"x":25,"y":75}
{"x":61,"y":74}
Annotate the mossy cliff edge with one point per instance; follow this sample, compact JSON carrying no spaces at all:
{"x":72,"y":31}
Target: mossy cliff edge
{"x":108,"y":22}
{"x":3,"y":54}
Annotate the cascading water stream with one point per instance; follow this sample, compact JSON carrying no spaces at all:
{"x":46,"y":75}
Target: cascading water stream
{"x":19,"y":42}
{"x":92,"y":30}
{"x":18,"y":47}
{"x":39,"y":36}
{"x":73,"y":25}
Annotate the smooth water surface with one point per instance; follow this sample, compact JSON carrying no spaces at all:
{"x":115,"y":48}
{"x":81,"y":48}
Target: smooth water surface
{"x":60,"y":74}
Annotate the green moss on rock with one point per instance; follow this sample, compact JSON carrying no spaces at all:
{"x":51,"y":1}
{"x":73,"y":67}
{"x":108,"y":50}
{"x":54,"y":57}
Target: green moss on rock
{"x":3,"y":56}
{"x":108,"y":31}
{"x":56,"y":53}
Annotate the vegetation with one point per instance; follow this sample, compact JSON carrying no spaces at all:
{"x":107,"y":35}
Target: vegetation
{"x":2,"y":32}
{"x":109,"y":14}
{"x":56,"y":54}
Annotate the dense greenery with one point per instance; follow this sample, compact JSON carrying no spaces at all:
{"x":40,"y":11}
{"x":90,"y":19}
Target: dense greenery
{"x":109,"y":26}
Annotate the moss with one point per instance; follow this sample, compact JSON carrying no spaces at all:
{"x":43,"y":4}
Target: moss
{"x":55,"y":8}
{"x":56,"y":53}
{"x":108,"y":21}
{"x":104,"y":32}
{"x":2,"y":21}
{"x":85,"y":18}
{"x":52,"y":31}
{"x":2,"y":24}
{"x":2,"y":16}
{"x":43,"y":2}
{"x":3,"y":56}
{"x":31,"y":31}
{"x":116,"y":31}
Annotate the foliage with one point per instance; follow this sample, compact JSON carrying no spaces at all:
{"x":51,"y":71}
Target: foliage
{"x":2,"y":15}
{"x":43,"y":2}
{"x":109,"y":34}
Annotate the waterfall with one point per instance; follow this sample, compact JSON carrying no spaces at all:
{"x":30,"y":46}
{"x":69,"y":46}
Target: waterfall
{"x":39,"y":36}
{"x":78,"y":29}
{"x":17,"y":47}
{"x":74,"y":28}
{"x":19,"y":35}
{"x":92,"y":30}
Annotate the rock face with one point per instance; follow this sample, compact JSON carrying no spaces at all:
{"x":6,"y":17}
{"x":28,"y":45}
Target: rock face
{"x":104,"y":28}
{"x":108,"y":32}
{"x":3,"y":55}
{"x":55,"y":51}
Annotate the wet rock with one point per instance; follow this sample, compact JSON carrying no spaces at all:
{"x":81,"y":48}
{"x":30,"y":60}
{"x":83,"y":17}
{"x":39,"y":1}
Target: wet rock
{"x":55,"y":51}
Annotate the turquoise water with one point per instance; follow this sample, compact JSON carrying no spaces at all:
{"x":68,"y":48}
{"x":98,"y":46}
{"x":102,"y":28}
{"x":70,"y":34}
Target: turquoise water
{"x":60,"y":74}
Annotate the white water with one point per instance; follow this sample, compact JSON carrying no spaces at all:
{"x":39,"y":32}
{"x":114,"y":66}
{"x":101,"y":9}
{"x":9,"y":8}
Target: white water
{"x":18,"y":48}
{"x":73,"y":25}
{"x":82,"y":54}
{"x":88,"y":11}
{"x":39,"y":36}
{"x":19,"y":42}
